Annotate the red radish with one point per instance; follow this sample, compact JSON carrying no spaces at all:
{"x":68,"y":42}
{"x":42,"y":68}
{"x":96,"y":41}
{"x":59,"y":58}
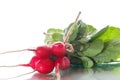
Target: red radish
{"x":59,"y":49}
{"x":43,"y":62}
{"x":41,"y":51}
{"x":64,"y":62}
{"x":45,"y":66}
{"x":34,"y":61}
{"x":44,"y":51}
{"x":31,"y":64}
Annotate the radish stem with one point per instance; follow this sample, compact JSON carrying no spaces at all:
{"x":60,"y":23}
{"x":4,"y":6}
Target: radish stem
{"x":57,"y":70}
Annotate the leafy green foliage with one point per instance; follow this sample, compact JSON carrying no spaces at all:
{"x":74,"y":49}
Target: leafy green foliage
{"x":98,"y":34}
{"x":73,"y":34}
{"x":108,"y":33}
{"x":110,"y":52}
{"x":57,"y":37}
{"x":75,"y":60}
{"x":87,"y":62}
{"x":90,"y":30}
{"x":54,"y":35}
{"x":85,"y":30}
{"x":53,"y":30}
{"x":94,"y":48}
{"x":82,"y":31}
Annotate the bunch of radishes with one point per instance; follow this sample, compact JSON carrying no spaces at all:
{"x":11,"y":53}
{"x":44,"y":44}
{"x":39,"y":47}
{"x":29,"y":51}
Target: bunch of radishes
{"x":47,"y":57}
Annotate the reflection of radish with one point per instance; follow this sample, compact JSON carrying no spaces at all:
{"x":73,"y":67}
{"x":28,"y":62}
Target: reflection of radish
{"x":38,"y":76}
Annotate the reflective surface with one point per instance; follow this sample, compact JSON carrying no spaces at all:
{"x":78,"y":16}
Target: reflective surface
{"x":103,"y":72}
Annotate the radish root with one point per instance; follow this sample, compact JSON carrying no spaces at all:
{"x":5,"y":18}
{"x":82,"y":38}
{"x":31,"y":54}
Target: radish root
{"x":15,"y":65}
{"x":57,"y":70}
{"x":17,"y":51}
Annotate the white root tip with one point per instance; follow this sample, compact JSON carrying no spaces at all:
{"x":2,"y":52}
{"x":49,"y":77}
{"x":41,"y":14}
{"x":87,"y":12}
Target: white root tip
{"x":14,"y":51}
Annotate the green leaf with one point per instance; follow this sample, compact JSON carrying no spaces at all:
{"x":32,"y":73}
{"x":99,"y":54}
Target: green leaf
{"x":94,"y":48}
{"x":59,"y":31}
{"x":74,"y":32}
{"x":90,"y":29}
{"x":85,"y":30}
{"x":82,"y":31}
{"x":75,"y":60}
{"x":108,"y":33}
{"x":98,"y":34}
{"x":87,"y":62}
{"x":83,"y":40}
{"x":54,"y":35}
{"x":51,"y":30}
{"x":57,"y":37}
{"x":111,"y":51}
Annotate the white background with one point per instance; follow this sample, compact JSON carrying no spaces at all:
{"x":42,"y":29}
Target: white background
{"x":22,"y":23}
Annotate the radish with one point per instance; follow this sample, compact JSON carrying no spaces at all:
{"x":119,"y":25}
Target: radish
{"x":44,"y":51}
{"x":59,"y":49}
{"x":46,"y":58}
{"x":45,"y":66}
{"x":64,"y":62}
{"x":31,"y":64}
{"x":43,"y":60}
